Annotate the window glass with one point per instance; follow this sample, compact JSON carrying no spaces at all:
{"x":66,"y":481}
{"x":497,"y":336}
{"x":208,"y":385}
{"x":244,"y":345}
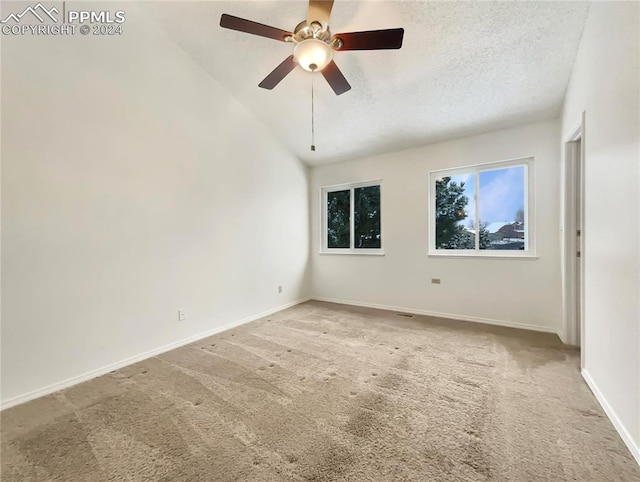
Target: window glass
{"x":366,"y":217}
{"x":338,"y":220}
{"x":483,"y":208}
{"x":501,"y":208}
{"x":455,"y":212}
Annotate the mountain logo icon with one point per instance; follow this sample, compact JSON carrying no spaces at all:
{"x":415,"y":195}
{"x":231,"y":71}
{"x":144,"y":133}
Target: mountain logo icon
{"x":39,"y":11}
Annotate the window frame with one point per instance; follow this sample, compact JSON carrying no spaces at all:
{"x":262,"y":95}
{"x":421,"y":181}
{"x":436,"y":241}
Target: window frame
{"x":351,"y":186}
{"x":476,"y":169}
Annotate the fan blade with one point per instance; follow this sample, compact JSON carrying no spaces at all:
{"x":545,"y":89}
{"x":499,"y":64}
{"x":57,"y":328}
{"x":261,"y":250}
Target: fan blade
{"x":335,"y":78}
{"x":319,"y":11}
{"x":255,"y":28}
{"x":279,"y":73}
{"x":371,"y":40}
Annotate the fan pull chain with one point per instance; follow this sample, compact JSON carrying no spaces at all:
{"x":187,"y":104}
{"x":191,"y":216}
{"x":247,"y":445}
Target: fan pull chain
{"x":313,"y":134}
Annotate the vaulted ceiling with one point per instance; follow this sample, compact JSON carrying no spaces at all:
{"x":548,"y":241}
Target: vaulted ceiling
{"x":464,"y":68}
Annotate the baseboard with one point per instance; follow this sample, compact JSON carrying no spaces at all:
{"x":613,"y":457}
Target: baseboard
{"x":69,"y":382}
{"x":414,"y":311}
{"x":617,"y":423}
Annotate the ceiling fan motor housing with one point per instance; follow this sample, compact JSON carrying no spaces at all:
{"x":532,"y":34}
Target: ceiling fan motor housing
{"x":305,"y":30}
{"x":313,"y":50}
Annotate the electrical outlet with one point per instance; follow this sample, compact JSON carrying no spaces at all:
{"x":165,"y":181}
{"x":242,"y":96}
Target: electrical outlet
{"x":280,"y":289}
{"x":435,"y":281}
{"x":182,"y":314}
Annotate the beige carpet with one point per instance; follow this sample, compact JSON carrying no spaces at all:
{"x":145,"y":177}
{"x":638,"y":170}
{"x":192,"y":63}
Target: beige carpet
{"x":328,"y":392}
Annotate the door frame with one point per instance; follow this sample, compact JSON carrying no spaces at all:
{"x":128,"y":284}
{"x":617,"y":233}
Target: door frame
{"x":573,"y":289}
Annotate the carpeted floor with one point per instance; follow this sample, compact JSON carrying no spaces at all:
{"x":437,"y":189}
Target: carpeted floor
{"x":326,"y":392}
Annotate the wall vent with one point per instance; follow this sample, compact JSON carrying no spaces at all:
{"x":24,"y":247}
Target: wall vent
{"x":406,"y":315}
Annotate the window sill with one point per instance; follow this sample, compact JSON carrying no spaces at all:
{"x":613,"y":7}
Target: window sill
{"x":526,"y":257}
{"x":352,"y":253}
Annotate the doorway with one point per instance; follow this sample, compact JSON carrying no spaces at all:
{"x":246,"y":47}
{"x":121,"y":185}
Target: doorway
{"x":574,"y":240}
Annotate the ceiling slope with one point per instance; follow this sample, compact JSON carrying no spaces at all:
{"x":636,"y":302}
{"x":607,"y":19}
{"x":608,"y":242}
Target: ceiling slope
{"x":464,"y":68}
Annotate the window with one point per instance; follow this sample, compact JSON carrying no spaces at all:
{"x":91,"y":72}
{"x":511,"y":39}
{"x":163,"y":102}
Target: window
{"x":482,"y":210}
{"x":351,"y":219}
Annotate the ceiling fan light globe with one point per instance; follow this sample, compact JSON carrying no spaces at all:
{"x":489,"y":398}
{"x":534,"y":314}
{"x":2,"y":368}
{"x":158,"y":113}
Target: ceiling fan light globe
{"x":312,"y":54}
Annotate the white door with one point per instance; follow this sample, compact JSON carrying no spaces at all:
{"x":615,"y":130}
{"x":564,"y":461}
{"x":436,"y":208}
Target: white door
{"x":574,"y":241}
{"x":579,"y":236}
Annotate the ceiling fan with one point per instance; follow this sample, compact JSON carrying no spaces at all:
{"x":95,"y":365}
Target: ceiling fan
{"x":314,"y":44}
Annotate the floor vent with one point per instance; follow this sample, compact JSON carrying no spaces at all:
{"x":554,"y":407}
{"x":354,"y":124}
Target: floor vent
{"x":406,"y":315}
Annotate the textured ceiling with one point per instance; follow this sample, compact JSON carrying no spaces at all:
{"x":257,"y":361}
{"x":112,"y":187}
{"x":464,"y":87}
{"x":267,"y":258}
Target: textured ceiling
{"x":464,"y":68}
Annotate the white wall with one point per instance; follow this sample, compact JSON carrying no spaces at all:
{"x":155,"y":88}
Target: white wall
{"x":508,"y":291}
{"x":132,"y":186}
{"x":605,"y":85}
